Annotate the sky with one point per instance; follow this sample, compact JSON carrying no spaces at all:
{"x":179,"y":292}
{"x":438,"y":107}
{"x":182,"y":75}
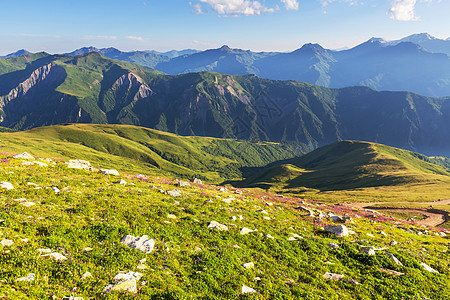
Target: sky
{"x":264,"y":25}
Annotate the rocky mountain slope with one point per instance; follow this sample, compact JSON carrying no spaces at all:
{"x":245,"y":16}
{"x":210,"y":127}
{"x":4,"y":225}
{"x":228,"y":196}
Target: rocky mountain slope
{"x":38,"y":90}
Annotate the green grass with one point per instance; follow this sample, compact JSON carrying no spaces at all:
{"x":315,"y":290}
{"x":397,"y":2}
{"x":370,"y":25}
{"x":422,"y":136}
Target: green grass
{"x":148,"y":151}
{"x":190,"y":260}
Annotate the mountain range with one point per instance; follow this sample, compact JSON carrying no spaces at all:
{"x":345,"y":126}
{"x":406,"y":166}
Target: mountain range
{"x":41,"y":89}
{"x":417,"y":63}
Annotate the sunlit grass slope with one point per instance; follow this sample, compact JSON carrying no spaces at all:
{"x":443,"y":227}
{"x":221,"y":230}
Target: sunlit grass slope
{"x":147,"y":151}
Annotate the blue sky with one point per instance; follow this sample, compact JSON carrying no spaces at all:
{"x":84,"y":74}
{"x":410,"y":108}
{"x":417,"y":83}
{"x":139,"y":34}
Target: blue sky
{"x":264,"y":25}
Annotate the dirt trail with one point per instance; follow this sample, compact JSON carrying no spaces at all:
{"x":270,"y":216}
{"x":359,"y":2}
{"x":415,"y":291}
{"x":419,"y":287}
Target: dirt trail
{"x":434,"y":217}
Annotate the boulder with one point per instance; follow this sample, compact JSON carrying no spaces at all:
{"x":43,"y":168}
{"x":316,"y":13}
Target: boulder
{"x":393,"y":243}
{"x":337,"y":230}
{"x":86,"y":275}
{"x":174,"y":193}
{"x":181,"y":183}
{"x":121,"y":181}
{"x":223,"y":189}
{"x":197,"y":181}
{"x":55,"y":189}
{"x":333,"y":245}
{"x":6,"y":242}
{"x":248,"y":265}
{"x":339,"y":219}
{"x":109,"y":172}
{"x":126,"y":281}
{"x":268,"y":236}
{"x":217,"y":226}
{"x":170,"y":216}
{"x":142,"y":243}
{"x":6,"y":185}
{"x":27,"y":204}
{"x":54,"y":255}
{"x":23,"y":155}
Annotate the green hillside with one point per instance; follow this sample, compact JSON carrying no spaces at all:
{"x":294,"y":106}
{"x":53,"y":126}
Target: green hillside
{"x":351,"y":165}
{"x":147,"y":151}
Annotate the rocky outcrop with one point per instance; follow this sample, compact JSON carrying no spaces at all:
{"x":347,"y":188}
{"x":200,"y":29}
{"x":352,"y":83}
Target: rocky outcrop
{"x":131,"y":82}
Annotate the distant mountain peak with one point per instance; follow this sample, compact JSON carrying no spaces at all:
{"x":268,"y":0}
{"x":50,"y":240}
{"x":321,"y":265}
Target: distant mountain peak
{"x":310,"y":47}
{"x":225,"y":48}
{"x":420,"y":37}
{"x":18,"y":53}
{"x":376,"y":40}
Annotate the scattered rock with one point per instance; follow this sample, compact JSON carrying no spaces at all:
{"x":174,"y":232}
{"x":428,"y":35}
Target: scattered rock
{"x":27,"y":204}
{"x":267,"y":218}
{"x":310,"y":212}
{"x":6,"y":185}
{"x":333,"y":276}
{"x":268,"y":236}
{"x":42,"y":251}
{"x":217,"y":226}
{"x":73,"y":298}
{"x":174,"y":193}
{"x":297,"y":236}
{"x":383,"y":233}
{"x":391,"y":272}
{"x":6,"y":243}
{"x":55,"y":255}
{"x":170,"y":216}
{"x":223,"y":189}
{"x":24,"y":155}
{"x":228,"y":200}
{"x":443,"y":234}
{"x":183,"y":183}
{"x":127,"y":282}
{"x":233,"y":218}
{"x":122,"y":182}
{"x":428,"y":268}
{"x":249,"y":265}
{"x":246,"y":230}
{"x":337,"y":230}
{"x":393,"y":243}
{"x":247,"y":290}
{"x":55,"y":189}
{"x":86,"y":275}
{"x":196,"y":181}
{"x":291,"y":238}
{"x":333,"y":245}
{"x":87,"y":249}
{"x":262,"y":211}
{"x":34,"y":163}
{"x":394,"y":259}
{"x":79,"y":164}
{"x":370,"y":235}
{"x":367,"y":250}
{"x":29,"y":278}
{"x":142,"y":243}
{"x":109,"y":172}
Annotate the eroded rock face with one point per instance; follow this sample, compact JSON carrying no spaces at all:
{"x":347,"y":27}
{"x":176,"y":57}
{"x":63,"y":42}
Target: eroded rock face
{"x":142,"y":243}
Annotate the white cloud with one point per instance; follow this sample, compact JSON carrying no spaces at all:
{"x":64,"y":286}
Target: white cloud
{"x":237,"y":7}
{"x":197,"y":8}
{"x":135,"y":38}
{"x":403,"y":10}
{"x":290,"y":4}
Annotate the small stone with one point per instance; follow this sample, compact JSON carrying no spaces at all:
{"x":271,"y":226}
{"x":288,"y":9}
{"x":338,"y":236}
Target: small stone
{"x":383,"y":233}
{"x":73,"y":298}
{"x":291,"y":238}
{"x":170,"y":216}
{"x":249,"y":265}
{"x":394,"y":259}
{"x":6,"y":185}
{"x":391,"y":272}
{"x":123,"y":285}
{"x":428,"y":268}
{"x":197,"y":181}
{"x":233,"y":218}
{"x":42,"y":251}
{"x":142,"y":243}
{"x":223,"y":190}
{"x":333,"y":245}
{"x":370,"y":235}
{"x":267,"y":218}
{"x":246,"y":230}
{"x":109,"y":172}
{"x":29,"y":278}
{"x":24,"y":155}
{"x":55,"y":189}
{"x":27,"y":204}
{"x":393,"y":243}
{"x":6,"y":242}
{"x":122,"y":182}
{"x":269,"y":204}
{"x":86,"y":275}
{"x":217,"y":226}
{"x":183,"y":183}
{"x":247,"y":290}
{"x":268,"y":236}
{"x":55,"y":255}
{"x":333,"y":276}
{"x":24,"y":241}
{"x":337,"y":230}
{"x":367,"y":250}
{"x":174,"y":193}
{"x":443,"y":234}
{"x":87,"y":249}
{"x":262,"y":211}
{"x":79,"y":164}
{"x":142,"y":267}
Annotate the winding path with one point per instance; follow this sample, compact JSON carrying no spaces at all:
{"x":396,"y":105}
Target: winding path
{"x":434,"y":217}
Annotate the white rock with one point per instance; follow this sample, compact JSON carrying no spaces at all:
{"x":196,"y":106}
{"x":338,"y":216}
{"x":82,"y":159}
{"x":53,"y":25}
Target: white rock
{"x":247,"y":290}
{"x":6,"y":185}
{"x":269,"y":203}
{"x":87,"y":249}
{"x":333,"y":276}
{"x":333,"y":245}
{"x":174,"y":193}
{"x":443,"y":234}
{"x":197,"y":181}
{"x":142,"y":243}
{"x":249,"y":265}
{"x":33,"y":163}
{"x":109,"y":172}
{"x":27,"y":204}
{"x":310,"y":212}
{"x":383,"y":233}
{"x":393,"y":243}
{"x":29,"y":278}
{"x":6,"y":242}
{"x":223,"y":189}
{"x":24,"y":155}
{"x":291,"y":238}
{"x":24,"y":241}
{"x":428,"y":268}
{"x":72,"y":298}
{"x":42,"y":251}
{"x":268,"y":236}
{"x":86,"y":275}
{"x":267,"y":218}
{"x":79,"y":164}
{"x":297,"y":236}
{"x":370,"y":235}
{"x":217,"y":226}
{"x":129,"y":285}
{"x":170,"y":216}
{"x":337,"y":230}
{"x":122,"y":182}
{"x":123,"y":275}
{"x":246,"y":230}
{"x":55,"y":255}
{"x":228,"y":200}
{"x":394,"y":259}
{"x":233,"y":218}
{"x":55,"y":189}
{"x":183,"y":183}
{"x":262,"y":211}
{"x":367,"y":250}
{"x":391,"y":272}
